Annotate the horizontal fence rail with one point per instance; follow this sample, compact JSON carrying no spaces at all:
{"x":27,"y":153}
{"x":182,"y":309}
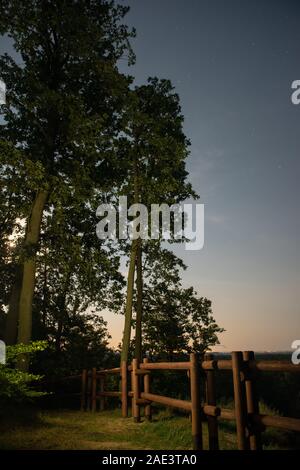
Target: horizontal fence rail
{"x":166,"y":365}
{"x":172,"y":402}
{"x":265,"y":366}
{"x":135,"y":386}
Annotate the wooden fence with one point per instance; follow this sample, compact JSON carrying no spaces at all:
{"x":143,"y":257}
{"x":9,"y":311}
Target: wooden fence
{"x":244,"y":368}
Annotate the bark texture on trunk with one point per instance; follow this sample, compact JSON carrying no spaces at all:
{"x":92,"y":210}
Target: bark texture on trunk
{"x":129,"y":302}
{"x":29,"y":268}
{"x":139,"y":302}
{"x":11,"y":326}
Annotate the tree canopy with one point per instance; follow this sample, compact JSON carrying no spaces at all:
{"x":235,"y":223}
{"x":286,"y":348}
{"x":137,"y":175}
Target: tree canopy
{"x":76,"y":132}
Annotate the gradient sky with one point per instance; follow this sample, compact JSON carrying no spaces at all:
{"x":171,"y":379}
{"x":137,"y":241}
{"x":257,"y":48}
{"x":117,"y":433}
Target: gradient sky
{"x":232,"y":63}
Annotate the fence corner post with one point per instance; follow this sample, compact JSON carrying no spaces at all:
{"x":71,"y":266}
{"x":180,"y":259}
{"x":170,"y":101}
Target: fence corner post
{"x":83,"y":390}
{"x":252,"y":403}
{"x":124,"y":389}
{"x":94,"y":389}
{"x":240,"y":400}
{"x":196,"y":401}
{"x":148,"y":411}
{"x":136,"y":391}
{"x":102,"y":389}
{"x":211,"y":399}
{"x":89,"y":390}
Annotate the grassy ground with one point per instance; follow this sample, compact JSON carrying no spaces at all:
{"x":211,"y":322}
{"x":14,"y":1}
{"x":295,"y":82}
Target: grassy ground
{"x":107,"y":430}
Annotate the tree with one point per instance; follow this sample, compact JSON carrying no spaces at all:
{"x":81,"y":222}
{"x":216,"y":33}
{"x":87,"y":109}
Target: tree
{"x":64,"y":106}
{"x":16,"y":386}
{"x":83,"y":344}
{"x":75,"y":272}
{"x":201,"y":327}
{"x":176,"y":320}
{"x":13,"y":203}
{"x":155,"y":149}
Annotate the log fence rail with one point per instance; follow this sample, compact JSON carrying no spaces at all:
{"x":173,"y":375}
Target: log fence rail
{"x":244,"y":368}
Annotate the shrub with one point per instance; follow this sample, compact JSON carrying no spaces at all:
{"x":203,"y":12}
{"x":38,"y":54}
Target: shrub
{"x":17,"y":386}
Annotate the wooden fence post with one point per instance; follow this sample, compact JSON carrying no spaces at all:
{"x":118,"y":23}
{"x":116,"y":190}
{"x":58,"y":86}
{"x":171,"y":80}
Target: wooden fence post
{"x":94,"y":389}
{"x":196,"y":401}
{"x":212,"y":421}
{"x":136,"y":391}
{"x":124,"y":389}
{"x":240,"y":403}
{"x":252,"y":403}
{"x":148,"y":412}
{"x":102,"y":389}
{"x":131,"y":389}
{"x":89,"y":390}
{"x":83,"y":390}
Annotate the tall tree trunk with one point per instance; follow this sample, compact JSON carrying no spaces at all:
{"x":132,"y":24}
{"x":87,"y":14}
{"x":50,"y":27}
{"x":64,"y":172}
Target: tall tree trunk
{"x":11,"y":326}
{"x":139,"y":301}
{"x":29,"y":268}
{"x":129,"y":302}
{"x":131,"y":272}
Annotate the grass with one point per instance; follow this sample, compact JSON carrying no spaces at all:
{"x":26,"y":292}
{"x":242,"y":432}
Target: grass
{"x":58,"y":430}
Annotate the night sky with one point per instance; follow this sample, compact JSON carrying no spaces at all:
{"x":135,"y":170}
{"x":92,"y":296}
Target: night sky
{"x":232,"y":63}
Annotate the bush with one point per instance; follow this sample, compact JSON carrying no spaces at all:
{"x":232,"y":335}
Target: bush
{"x":17,"y":386}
